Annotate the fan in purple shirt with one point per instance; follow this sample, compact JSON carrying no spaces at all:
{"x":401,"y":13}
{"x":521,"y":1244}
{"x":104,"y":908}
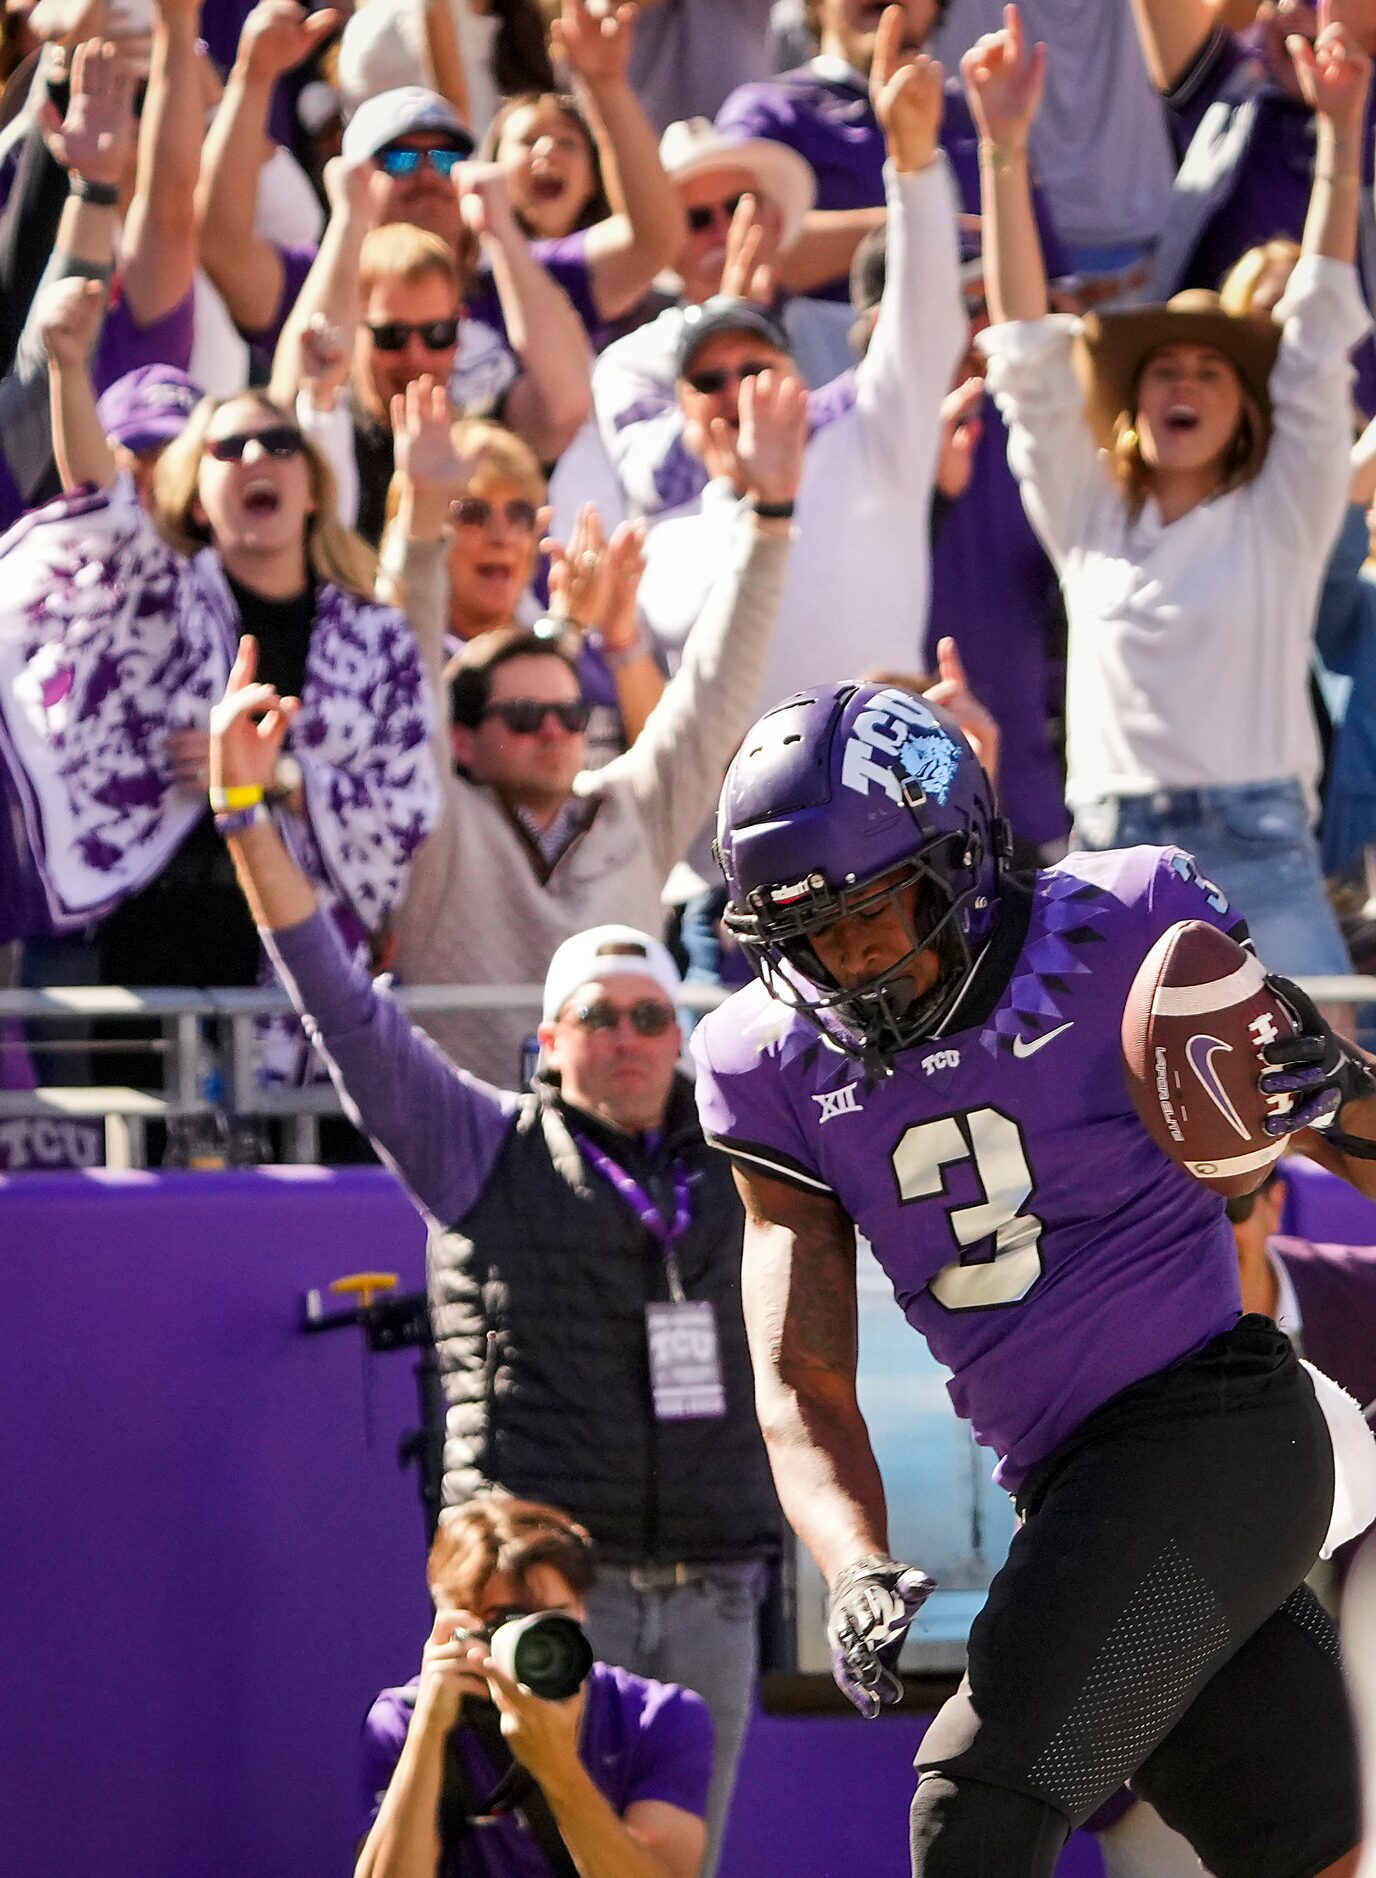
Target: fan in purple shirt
{"x":932,"y":1060}
{"x":1245,"y":141}
{"x":617,"y":1772}
{"x":823,"y":111}
{"x":567,"y":159}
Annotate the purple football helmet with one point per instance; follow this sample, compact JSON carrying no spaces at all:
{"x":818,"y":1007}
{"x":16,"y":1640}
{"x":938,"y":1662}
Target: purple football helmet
{"x":834,"y":790}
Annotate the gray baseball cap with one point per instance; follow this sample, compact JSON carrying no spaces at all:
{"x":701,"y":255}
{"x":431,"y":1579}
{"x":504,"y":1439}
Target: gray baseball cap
{"x":723,"y":313}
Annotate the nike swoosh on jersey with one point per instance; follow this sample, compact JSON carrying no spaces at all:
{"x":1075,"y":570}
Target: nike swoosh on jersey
{"x":1029,"y":1046}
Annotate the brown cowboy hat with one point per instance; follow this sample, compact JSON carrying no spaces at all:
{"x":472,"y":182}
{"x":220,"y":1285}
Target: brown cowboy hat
{"x":1113,"y":347}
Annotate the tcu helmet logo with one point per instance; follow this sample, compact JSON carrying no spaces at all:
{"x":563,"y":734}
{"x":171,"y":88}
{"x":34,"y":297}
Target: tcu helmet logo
{"x":834,"y":1102}
{"x":898,"y":741}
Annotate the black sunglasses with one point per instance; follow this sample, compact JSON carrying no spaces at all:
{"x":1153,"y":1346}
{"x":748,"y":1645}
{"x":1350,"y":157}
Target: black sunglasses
{"x":435,"y":335}
{"x":717,"y":378}
{"x":278,"y":440}
{"x":649,"y":1018}
{"x":701,"y":218}
{"x":526,"y":716}
{"x":477,"y":512}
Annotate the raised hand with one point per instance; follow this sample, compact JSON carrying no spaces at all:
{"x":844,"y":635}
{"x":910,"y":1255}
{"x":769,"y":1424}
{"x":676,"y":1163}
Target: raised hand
{"x":1334,"y":74}
{"x":485,"y":199}
{"x":596,"y":47}
{"x":743,"y":277}
{"x":96,"y":137}
{"x":906,"y":94}
{"x":952,"y":692}
{"x":325,"y":353}
{"x":248,"y":726}
{"x":69,"y":316}
{"x":433,"y":472}
{"x":277,"y":35}
{"x":1004,"y":80}
{"x":347,"y":189}
{"x":961,"y":429}
{"x":593,"y":582}
{"x":769,"y":448}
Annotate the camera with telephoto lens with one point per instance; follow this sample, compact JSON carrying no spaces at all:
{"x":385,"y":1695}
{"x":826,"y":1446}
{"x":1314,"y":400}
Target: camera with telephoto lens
{"x":547,"y":1651}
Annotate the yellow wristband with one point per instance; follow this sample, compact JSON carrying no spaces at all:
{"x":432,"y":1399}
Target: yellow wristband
{"x":246,"y":796}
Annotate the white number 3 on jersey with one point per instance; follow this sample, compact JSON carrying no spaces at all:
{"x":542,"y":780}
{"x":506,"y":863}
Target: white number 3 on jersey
{"x":1010,"y":1268}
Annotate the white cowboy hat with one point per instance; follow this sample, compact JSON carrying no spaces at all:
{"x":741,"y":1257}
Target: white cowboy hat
{"x":694,"y":145}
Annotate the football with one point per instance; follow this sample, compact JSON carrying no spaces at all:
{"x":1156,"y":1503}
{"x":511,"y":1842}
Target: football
{"x":1196,"y":1020}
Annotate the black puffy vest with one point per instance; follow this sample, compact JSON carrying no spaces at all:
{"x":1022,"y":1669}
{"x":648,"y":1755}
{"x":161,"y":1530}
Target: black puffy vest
{"x":537,"y":1298}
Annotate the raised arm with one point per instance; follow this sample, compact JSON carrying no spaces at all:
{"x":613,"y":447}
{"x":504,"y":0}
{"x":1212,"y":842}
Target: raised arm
{"x":550,"y":400}
{"x":246,"y":269}
{"x":439,"y":1129}
{"x":158,"y":241}
{"x":1172,"y":35}
{"x":592,"y":589}
{"x":329,"y":295}
{"x":1334,"y":76}
{"x":1003,"y":80}
{"x":70,"y":312}
{"x":676,"y":765}
{"x":646,"y":230}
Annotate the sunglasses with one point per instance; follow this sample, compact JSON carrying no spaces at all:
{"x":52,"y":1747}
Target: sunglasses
{"x":477,"y":512}
{"x":648,"y":1017}
{"x":406,"y":162}
{"x":707,"y":214}
{"x":435,"y":335}
{"x":719,"y":377}
{"x":526,"y":716}
{"x":278,"y":440}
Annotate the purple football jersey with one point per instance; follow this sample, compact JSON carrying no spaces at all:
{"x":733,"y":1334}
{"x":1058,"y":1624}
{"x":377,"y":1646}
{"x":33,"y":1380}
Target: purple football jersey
{"x":1033,"y":1232}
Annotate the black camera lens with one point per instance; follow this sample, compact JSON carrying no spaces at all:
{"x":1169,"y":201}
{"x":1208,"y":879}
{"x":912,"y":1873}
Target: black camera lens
{"x":547,"y":1651}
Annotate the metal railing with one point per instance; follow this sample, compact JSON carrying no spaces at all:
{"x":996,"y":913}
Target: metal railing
{"x":185,"y":1020}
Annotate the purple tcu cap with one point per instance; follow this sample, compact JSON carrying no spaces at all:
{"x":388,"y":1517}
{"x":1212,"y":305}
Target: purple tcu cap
{"x":148,"y":407}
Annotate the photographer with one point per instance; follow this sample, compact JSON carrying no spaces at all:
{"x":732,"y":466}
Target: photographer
{"x":620,"y":1770}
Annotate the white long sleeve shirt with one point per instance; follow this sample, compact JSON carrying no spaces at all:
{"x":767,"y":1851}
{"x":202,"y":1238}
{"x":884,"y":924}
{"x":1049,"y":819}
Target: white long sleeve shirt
{"x":855,"y":597}
{"x":1189,"y":642}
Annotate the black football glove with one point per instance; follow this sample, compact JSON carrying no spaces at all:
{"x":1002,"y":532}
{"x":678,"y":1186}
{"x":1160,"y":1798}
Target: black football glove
{"x":872,"y":1604}
{"x":1316,"y":1069}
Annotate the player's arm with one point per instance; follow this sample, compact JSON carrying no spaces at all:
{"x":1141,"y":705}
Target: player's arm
{"x":798,"y":1285}
{"x":1332,"y":1083}
{"x":798,"y":1289}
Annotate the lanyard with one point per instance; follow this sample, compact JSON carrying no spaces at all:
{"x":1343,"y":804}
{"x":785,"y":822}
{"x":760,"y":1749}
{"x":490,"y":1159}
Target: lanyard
{"x":667,"y":1234}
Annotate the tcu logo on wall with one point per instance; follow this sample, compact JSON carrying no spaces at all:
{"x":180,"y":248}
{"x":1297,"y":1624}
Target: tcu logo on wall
{"x":898,"y":741}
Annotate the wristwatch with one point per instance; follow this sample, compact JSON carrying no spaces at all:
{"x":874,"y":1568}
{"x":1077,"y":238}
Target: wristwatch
{"x":286,"y":780}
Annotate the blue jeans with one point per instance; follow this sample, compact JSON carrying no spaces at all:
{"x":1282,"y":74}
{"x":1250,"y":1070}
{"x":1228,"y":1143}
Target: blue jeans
{"x":1254,"y":841}
{"x":703,"y":1634}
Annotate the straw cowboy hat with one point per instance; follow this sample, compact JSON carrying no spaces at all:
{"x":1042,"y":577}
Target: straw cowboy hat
{"x":1113,"y":348}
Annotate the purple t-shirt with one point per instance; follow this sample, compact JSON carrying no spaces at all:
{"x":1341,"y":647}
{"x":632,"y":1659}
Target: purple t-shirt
{"x":565,"y":259}
{"x":1033,"y":1232}
{"x":1271,"y":185}
{"x":124,"y":345}
{"x":831,"y":123}
{"x":994,"y":591}
{"x":640,"y":1740}
{"x":297,"y":261}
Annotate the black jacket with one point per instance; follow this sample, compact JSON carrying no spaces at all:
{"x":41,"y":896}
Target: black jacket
{"x":537,"y":1299}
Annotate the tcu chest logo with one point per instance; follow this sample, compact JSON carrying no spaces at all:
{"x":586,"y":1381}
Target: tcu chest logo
{"x":836,"y":1102}
{"x":944,"y":1059}
{"x":898,"y":744}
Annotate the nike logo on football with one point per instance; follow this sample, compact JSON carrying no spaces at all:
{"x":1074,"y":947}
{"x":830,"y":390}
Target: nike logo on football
{"x":1201,"y":1051}
{"x":1029,"y":1046}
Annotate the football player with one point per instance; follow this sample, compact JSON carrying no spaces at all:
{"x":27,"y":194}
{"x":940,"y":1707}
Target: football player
{"x":932,"y":1058}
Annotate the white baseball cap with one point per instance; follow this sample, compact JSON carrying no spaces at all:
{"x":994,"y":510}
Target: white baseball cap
{"x":604,"y":952}
{"x":694,"y":144}
{"x":390,"y":115}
